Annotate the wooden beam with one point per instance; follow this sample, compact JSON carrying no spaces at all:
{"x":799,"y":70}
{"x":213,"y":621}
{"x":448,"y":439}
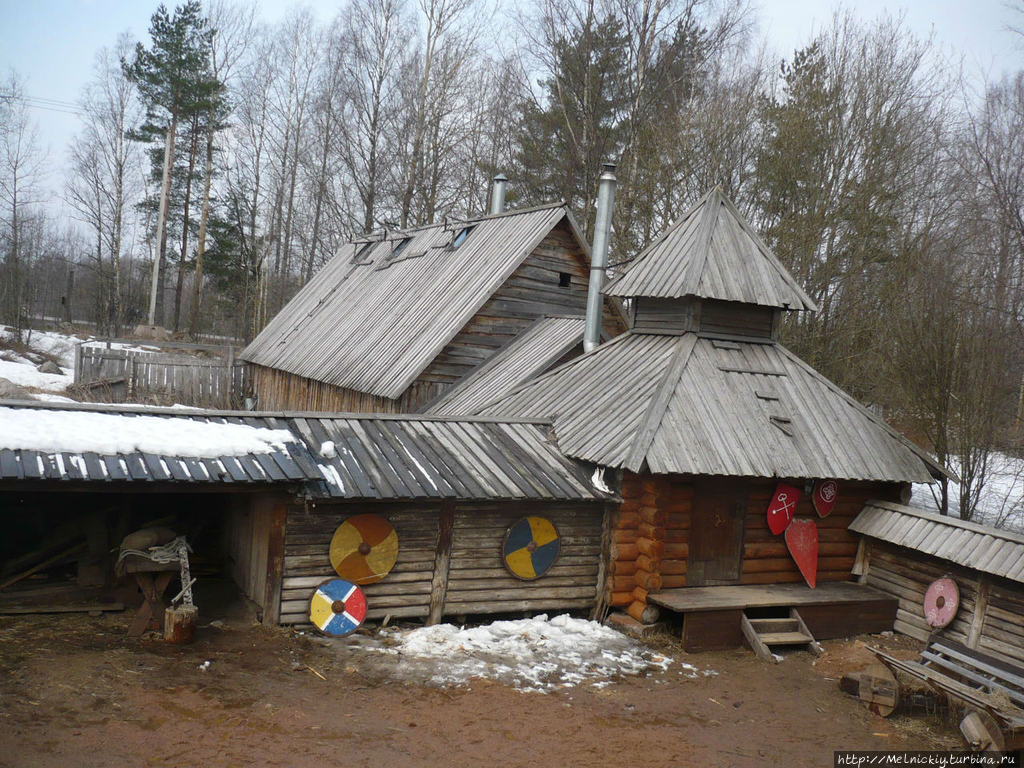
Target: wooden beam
{"x":442,"y":560}
{"x":275,"y":564}
{"x":980,"y":608}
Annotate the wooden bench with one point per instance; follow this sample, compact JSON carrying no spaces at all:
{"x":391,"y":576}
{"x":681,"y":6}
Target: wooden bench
{"x":991,"y":687}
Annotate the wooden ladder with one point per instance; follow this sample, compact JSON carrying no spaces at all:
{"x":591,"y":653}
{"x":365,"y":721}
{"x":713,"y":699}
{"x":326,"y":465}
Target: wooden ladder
{"x":764,"y":634}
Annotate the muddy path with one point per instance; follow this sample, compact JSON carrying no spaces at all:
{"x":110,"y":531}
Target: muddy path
{"x":75,"y":691}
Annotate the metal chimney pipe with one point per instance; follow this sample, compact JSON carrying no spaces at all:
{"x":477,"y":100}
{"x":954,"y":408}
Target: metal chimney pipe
{"x":599,"y":257}
{"x":498,"y":194}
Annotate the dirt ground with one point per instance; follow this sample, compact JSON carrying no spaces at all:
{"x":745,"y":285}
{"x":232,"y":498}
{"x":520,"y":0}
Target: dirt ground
{"x":75,"y":691}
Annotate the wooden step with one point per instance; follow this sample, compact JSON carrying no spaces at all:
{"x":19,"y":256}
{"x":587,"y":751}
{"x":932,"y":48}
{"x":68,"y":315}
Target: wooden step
{"x":775,"y":625}
{"x":785,"y":638}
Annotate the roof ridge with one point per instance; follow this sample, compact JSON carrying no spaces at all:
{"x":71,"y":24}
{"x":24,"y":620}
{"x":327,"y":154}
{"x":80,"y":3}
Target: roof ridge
{"x":659,"y":402}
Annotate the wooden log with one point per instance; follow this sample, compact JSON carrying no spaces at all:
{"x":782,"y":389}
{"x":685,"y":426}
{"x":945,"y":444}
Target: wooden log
{"x":645,"y":563}
{"x":648,"y":580}
{"x":442,"y":558}
{"x":644,"y":613}
{"x":624,"y":520}
{"x":625,"y":536}
{"x":672,"y":567}
{"x":653,"y":516}
{"x":623,"y":583}
{"x":677,"y":535}
{"x":640,"y":595}
{"x":627,"y":552}
{"x":676,"y":581}
{"x":180,"y":624}
{"x":676,"y":551}
{"x":625,"y":567}
{"x":619,"y":599}
{"x":651,"y":548}
{"x":648,"y":531}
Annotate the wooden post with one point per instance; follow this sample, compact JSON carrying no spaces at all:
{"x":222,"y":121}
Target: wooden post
{"x":861,"y":563}
{"x":78,"y":362}
{"x":603,"y":587}
{"x":231,"y":376}
{"x":980,"y":608}
{"x":275,"y":565}
{"x":442,"y":559}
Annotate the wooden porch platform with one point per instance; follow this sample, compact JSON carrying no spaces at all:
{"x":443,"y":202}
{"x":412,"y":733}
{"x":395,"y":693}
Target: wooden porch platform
{"x":712,"y":616}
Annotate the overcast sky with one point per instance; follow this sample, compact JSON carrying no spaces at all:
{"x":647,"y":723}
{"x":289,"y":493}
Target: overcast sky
{"x":52,"y":42}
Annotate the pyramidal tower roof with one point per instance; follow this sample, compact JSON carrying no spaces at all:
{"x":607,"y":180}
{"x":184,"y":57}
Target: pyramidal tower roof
{"x":713,"y":253}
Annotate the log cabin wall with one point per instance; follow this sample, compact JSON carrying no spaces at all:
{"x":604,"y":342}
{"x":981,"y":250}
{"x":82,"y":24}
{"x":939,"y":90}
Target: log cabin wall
{"x":449,"y":558}
{"x":249,"y":535}
{"x":279,"y":390}
{"x":651,"y":536}
{"x":991,"y":614}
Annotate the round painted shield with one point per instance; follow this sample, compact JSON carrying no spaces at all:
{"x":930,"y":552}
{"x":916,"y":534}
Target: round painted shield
{"x":941,"y":601}
{"x":531,"y":547}
{"x":364,"y":549}
{"x":337,"y":608}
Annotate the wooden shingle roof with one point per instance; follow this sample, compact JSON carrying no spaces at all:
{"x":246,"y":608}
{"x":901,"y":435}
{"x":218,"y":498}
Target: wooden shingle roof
{"x":343,"y":456}
{"x":528,"y":354}
{"x":691,"y":404}
{"x":981,"y":547}
{"x":713,"y":253}
{"x":382,"y":309}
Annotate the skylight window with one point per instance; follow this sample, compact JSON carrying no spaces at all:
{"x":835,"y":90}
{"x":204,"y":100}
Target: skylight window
{"x":400,"y":247}
{"x":461,"y":237}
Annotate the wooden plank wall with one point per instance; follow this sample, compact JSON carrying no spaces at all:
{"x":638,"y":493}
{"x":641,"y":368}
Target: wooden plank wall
{"x":991,"y":614}
{"x":531,"y":291}
{"x":736,"y":318}
{"x":247,"y":540}
{"x":209,"y":382}
{"x":651,"y":535}
{"x":476,"y":582}
{"x":279,"y":390}
{"x":668,"y":316}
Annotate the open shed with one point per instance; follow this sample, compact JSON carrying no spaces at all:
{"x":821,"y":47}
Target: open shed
{"x":274,"y":488}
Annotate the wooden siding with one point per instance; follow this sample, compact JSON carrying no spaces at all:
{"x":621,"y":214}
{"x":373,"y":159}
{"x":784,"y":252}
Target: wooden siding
{"x":731,"y":318}
{"x":469,"y":578}
{"x":651,"y":536}
{"x":278,"y":390}
{"x":531,"y":291}
{"x":247,"y":538}
{"x":479,"y":583}
{"x":991,"y":614}
{"x":671,"y":316}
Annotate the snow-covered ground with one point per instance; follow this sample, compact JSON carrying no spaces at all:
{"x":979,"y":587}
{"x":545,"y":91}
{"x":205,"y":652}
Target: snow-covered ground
{"x":22,"y":371}
{"x":536,"y":654}
{"x":1002,"y":497}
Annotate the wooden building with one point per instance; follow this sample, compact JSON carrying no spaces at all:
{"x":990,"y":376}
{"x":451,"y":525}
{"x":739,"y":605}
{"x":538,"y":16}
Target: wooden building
{"x":394,"y":320}
{"x":903,"y":550}
{"x":450,"y":488}
{"x":703,"y":411}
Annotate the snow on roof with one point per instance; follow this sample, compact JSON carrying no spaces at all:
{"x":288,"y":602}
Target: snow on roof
{"x":108,"y":433}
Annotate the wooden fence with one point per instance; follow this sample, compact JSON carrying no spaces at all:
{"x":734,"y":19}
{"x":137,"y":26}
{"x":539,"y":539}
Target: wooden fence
{"x":217,"y":381}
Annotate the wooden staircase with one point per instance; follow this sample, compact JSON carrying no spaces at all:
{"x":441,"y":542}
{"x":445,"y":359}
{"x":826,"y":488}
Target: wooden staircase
{"x":765,"y":634}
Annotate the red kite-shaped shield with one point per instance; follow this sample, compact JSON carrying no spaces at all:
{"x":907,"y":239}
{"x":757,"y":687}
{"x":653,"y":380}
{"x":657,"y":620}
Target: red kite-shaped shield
{"x":802,"y":540}
{"x":783,"y":507}
{"x":825,"y":494}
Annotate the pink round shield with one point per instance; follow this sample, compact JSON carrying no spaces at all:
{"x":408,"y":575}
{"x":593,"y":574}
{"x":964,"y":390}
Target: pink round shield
{"x":941,"y":601}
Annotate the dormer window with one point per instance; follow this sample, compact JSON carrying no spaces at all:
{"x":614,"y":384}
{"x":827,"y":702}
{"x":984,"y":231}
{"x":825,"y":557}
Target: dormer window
{"x":460,"y":238}
{"x":362,"y":252}
{"x":400,"y":247}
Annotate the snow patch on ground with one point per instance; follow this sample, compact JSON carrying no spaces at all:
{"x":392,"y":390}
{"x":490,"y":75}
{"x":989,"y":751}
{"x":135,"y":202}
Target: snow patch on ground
{"x":536,"y":654}
{"x":108,"y":433}
{"x":1002,"y":498}
{"x":23,"y":373}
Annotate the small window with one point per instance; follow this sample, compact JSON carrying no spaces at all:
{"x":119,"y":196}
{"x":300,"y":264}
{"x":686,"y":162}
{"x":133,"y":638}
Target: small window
{"x":564,"y":279}
{"x":460,"y":238}
{"x":400,"y":247}
{"x":362,"y":251}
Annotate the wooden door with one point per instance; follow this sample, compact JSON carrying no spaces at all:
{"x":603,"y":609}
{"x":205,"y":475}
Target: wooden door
{"x":717,"y":524}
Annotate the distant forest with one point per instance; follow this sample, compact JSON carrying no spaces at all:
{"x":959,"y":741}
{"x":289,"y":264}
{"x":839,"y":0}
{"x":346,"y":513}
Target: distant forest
{"x":890,"y":184}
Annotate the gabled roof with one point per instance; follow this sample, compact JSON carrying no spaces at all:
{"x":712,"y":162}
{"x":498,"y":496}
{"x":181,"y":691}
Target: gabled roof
{"x":712,"y":253}
{"x":533,"y":351}
{"x":691,"y":404}
{"x":346,"y":456}
{"x":382,"y":309}
{"x":981,"y":547}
